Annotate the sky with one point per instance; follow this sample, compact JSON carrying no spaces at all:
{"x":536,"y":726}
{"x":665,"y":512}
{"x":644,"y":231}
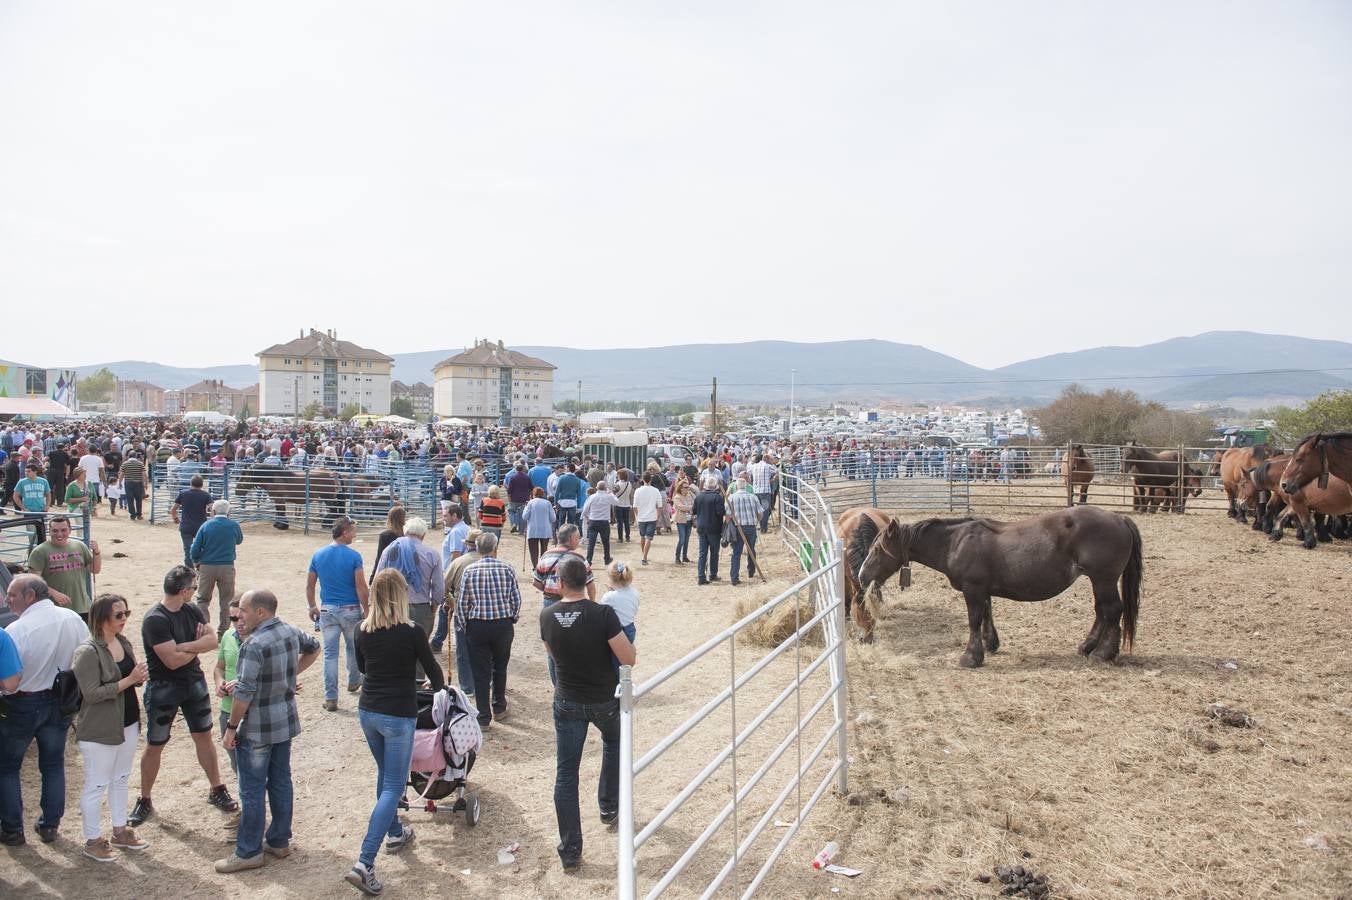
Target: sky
{"x":191,"y":183}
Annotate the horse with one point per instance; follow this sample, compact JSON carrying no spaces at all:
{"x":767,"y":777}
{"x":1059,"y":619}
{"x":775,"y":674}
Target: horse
{"x":288,"y":486}
{"x":1032,"y":560}
{"x":1079,"y":469}
{"x":1264,"y":494}
{"x":1333,"y":498}
{"x":857,"y":529}
{"x":1232,"y":466}
{"x":1150,"y":470}
{"x":1315,"y":457}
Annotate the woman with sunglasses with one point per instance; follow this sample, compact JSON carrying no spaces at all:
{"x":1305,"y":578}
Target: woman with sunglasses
{"x":223,"y":676}
{"x":108,"y":725}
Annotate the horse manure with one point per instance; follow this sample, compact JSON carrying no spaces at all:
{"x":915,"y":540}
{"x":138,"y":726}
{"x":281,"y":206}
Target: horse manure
{"x":1235,"y":718}
{"x":1020,"y":880}
{"x":117,"y":540}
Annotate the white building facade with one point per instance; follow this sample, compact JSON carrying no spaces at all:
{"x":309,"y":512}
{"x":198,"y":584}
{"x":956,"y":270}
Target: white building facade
{"x":489,"y":384}
{"x":319,"y":368}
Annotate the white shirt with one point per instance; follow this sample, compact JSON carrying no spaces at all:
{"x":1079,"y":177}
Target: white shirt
{"x":625,"y":603}
{"x":92,"y":465}
{"x":646,"y":501}
{"x":46,"y":635}
{"x":598,"y":506}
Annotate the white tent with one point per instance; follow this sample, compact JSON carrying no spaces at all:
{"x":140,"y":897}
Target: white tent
{"x":34,"y":408}
{"x":396,"y":420}
{"x":208,"y":417}
{"x":454,"y":423}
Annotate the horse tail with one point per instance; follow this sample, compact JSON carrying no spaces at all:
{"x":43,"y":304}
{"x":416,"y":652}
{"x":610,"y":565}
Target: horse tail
{"x":1131,"y":586}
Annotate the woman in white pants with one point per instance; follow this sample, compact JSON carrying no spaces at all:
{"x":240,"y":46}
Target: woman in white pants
{"x":108,"y":725}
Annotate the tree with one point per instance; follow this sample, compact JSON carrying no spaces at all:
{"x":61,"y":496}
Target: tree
{"x":348,"y":411}
{"x":1115,"y":417}
{"x":401,"y":406}
{"x":98,"y":388}
{"x":313,"y":410}
{"x":1330,"y":411}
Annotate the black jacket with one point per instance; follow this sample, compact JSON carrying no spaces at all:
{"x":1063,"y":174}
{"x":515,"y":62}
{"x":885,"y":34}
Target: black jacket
{"x":709,"y":511}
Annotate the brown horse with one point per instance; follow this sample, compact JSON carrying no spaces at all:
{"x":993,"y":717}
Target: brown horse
{"x":1156,"y":476}
{"x":1263,"y":493}
{"x":1232,"y":467}
{"x":857,"y":528}
{"x":1079,"y":471}
{"x":1316,"y":457}
{"x":1333,"y":498}
{"x":288,"y":486}
{"x":1035,"y":559}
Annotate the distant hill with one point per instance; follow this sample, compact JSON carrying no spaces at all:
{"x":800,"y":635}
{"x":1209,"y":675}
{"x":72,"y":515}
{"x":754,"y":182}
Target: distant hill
{"x":866,"y":370}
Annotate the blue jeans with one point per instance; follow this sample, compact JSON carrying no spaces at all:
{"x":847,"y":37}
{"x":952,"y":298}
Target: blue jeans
{"x":570,"y":736}
{"x":765,"y":502}
{"x":514,"y":517}
{"x":187,"y":546}
{"x":391,"y":741}
{"x":439,"y":636}
{"x":682,"y":541}
{"x":569,"y":515}
{"x":263,"y":768}
{"x":629,"y":631}
{"x":33,"y":717}
{"x":708,"y":552}
{"x":546,"y":603}
{"x":339,"y":624}
{"x":737,"y":546}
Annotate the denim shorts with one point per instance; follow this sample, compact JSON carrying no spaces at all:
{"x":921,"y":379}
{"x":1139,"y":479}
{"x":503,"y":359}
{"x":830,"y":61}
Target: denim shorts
{"x":647,"y":529}
{"x":164,"y":699}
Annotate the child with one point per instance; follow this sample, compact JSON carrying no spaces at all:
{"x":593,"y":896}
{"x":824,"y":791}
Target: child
{"x":623,"y":599}
{"x":113,"y":491}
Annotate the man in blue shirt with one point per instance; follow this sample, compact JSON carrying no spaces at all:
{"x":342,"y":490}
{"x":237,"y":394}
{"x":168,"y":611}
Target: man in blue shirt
{"x":213,"y":552}
{"x":452,"y":547}
{"x":342,"y":594}
{"x":34,"y":494}
{"x":193,"y":504}
{"x":539,"y":476}
{"x":11,"y":668}
{"x":568,"y":494}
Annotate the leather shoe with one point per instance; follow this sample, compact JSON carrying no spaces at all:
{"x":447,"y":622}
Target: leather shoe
{"x":46,"y":832}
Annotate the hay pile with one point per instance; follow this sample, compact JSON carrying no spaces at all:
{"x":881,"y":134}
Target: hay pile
{"x":771,"y":629}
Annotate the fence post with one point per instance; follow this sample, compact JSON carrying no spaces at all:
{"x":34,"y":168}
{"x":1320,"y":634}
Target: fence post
{"x":873,"y":477}
{"x":152,"y":491}
{"x":842,"y":742}
{"x":1067,"y":469}
{"x":625,"y":874}
{"x":1181,"y":496}
{"x":307,"y":501}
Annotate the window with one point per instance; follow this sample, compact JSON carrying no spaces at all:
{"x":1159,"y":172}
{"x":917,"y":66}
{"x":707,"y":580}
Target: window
{"x":286,"y":362}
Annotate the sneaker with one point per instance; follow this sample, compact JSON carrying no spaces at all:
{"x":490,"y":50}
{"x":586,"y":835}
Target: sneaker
{"x":500,"y":715}
{"x":126,"y":839}
{"x":221,"y":799}
{"x":234,"y":863}
{"x":12,"y":838}
{"x":141,"y":811}
{"x":98,"y":850}
{"x":608,"y":818}
{"x":395,"y":844}
{"x":331,"y":705}
{"x":46,"y":832}
{"x":364,"y":880}
{"x":644,"y":561}
{"x":277,"y":852}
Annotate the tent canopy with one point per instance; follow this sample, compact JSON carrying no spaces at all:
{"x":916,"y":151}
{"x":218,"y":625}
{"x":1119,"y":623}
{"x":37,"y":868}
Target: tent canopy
{"x":33,"y":407}
{"x":396,"y":420}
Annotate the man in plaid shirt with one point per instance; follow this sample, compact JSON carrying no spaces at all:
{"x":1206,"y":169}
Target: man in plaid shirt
{"x":264,"y":700}
{"x":744,"y":509}
{"x":763,"y":476}
{"x":486,"y":610}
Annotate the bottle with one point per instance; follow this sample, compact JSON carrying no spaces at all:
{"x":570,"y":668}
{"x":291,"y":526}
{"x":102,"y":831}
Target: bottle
{"x":828,"y":852}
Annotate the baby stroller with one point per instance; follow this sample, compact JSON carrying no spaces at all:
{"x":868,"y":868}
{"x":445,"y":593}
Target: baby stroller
{"x":445,"y":743}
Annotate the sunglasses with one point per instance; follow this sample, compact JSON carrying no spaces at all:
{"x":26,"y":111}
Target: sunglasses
{"x":234,"y":618}
{"x":121,"y":615}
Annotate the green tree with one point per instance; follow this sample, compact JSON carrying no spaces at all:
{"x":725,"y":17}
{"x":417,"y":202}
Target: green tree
{"x":1115,"y":417}
{"x":1330,"y":411}
{"x":98,"y":388}
{"x":348,"y":411}
{"x":313,"y":410}
{"x":401,"y":406}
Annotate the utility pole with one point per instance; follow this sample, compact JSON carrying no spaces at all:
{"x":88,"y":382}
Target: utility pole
{"x":713,"y":410}
{"x":793,"y":383}
{"x":578,"y":412}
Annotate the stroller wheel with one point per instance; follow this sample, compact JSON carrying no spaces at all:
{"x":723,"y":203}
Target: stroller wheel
{"x":472,"y":810}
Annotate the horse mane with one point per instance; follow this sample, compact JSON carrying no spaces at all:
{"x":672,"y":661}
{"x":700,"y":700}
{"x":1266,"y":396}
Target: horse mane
{"x":861,"y":542}
{"x":1325,"y":436}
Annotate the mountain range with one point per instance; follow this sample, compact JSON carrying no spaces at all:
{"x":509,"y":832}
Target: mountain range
{"x":1213,"y":367}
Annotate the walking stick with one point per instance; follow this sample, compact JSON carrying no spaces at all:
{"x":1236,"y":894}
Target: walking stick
{"x":760,"y":570}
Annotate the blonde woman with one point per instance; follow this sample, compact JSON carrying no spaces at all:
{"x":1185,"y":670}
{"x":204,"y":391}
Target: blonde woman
{"x":389,"y":649}
{"x":682,"y":505}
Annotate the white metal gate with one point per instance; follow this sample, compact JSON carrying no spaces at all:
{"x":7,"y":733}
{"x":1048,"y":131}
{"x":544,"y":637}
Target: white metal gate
{"x":809,"y":532}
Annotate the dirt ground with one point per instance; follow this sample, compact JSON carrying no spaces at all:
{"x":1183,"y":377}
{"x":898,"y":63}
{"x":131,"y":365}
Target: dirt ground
{"x":1112,"y":778}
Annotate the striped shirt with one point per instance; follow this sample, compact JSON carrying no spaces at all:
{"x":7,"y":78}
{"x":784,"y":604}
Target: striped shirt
{"x":133,"y":470}
{"x":745,"y":508}
{"x":488,"y":590}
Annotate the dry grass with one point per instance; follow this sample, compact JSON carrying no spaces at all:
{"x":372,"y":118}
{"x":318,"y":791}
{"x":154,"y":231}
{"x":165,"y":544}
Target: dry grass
{"x":775,"y":626}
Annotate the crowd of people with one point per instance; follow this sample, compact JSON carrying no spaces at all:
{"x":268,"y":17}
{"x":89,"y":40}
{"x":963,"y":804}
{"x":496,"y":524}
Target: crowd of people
{"x":388,"y":628}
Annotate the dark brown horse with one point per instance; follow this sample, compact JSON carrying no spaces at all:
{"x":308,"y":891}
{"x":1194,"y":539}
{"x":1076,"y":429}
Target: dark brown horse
{"x":1035,"y":559}
{"x":288,"y":486}
{"x":1232,"y":466}
{"x":857,"y":528}
{"x":1316,"y":457}
{"x":1332,"y":497}
{"x":1156,"y":478}
{"x":1079,"y":471}
{"x":1263,"y":493}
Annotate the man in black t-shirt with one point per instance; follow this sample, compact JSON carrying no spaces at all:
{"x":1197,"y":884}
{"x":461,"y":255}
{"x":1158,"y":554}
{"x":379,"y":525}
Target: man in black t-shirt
{"x":189,"y":512}
{"x":580,"y":635}
{"x":175,"y":632}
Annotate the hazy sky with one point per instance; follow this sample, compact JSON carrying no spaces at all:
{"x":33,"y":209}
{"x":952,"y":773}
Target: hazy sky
{"x":189,"y":183}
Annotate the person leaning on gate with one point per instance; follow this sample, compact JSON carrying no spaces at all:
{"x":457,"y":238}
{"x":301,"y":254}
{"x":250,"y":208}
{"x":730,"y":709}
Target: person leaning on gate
{"x":579,"y":636}
{"x":174,"y":636}
{"x":337,"y":570}
{"x":263,"y":722}
{"x":213,"y":552}
{"x":45,"y":637}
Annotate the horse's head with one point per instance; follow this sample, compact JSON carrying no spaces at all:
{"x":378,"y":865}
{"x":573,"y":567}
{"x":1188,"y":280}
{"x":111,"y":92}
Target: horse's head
{"x":891,"y":552}
{"x":1309,"y":462}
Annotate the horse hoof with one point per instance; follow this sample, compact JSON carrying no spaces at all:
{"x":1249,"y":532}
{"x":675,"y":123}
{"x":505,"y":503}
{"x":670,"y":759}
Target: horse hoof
{"x":1105,"y":654}
{"x":1087,"y":647}
{"x":970,"y":661}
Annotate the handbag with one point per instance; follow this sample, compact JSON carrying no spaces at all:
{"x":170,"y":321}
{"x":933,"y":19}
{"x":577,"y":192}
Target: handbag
{"x":729,"y":533}
{"x":67,"y":691}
